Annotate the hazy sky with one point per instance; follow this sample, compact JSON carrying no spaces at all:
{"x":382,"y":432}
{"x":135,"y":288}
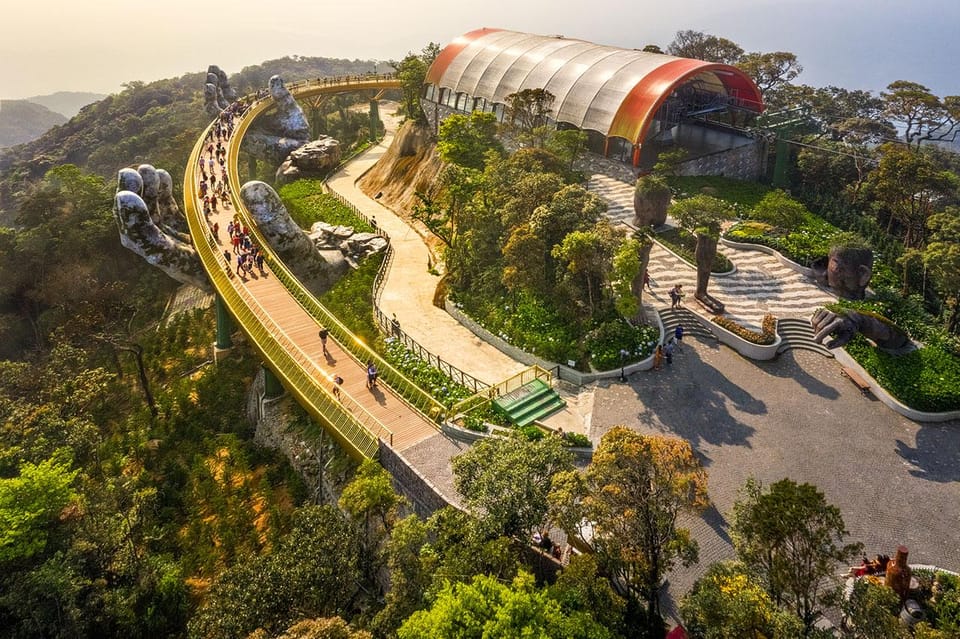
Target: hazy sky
{"x":72,"y":45}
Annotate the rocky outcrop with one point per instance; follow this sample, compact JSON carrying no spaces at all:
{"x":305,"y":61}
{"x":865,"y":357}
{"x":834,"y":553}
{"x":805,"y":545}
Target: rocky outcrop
{"x":278,"y":133}
{"x":408,"y":167}
{"x":353,"y":245}
{"x":313,"y":159}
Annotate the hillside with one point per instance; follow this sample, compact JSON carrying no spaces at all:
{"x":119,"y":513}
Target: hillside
{"x":67,"y":103}
{"x":156,"y":123}
{"x":22,"y":121}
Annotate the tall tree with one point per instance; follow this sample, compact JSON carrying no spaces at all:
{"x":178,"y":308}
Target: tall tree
{"x":487,"y":608}
{"x":770,"y":71}
{"x":632,"y":493}
{"x":587,"y":257}
{"x":921,"y":114}
{"x":791,"y":539}
{"x":726,"y":603}
{"x":703,"y":46}
{"x":505,"y":481}
{"x":907,"y":188}
{"x":703,"y":215}
{"x":942,"y":259}
{"x":529,"y":109}
{"x":412,"y":72}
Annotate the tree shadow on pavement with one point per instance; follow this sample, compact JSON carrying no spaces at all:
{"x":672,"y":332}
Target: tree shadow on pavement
{"x":935,"y":457}
{"x":787,"y":366}
{"x":695,"y":401}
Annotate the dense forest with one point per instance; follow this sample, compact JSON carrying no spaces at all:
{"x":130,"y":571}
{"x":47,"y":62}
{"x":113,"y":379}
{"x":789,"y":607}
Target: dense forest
{"x":134,"y":501}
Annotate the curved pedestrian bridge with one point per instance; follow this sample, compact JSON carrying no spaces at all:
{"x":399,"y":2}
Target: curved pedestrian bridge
{"x":281,"y":319}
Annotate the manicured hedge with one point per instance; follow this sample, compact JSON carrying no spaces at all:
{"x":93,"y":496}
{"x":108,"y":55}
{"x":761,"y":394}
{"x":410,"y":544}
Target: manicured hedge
{"x":766,"y":336}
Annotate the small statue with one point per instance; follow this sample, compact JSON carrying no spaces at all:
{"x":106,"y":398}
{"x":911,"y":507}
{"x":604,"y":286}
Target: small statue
{"x":844,"y":325}
{"x":897,"y":576}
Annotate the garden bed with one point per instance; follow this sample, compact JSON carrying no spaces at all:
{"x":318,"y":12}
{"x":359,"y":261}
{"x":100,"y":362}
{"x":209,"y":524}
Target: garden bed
{"x":683,"y":244}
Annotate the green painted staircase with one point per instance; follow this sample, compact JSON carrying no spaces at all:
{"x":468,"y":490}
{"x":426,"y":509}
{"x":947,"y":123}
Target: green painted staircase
{"x":529,"y":403}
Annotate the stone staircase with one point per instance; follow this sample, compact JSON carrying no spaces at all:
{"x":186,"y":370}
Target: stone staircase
{"x":692,"y":324}
{"x":797,"y":333}
{"x":530,"y":402}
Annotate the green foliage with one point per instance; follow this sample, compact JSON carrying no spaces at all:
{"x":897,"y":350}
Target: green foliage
{"x":313,"y":573}
{"x":726,"y":604}
{"x":791,"y":539}
{"x":488,"y":608}
{"x":528,"y":322}
{"x":605,"y":342}
{"x":464,"y":139}
{"x":429,"y":378}
{"x":925,"y":379}
{"x":30,"y":503}
{"x":702,"y":212}
{"x":805,"y":244}
{"x":632,"y":493}
{"x":684,"y":243}
{"x":741,"y":194}
{"x":505,"y":481}
{"x":307,"y":202}
{"x":871,"y":611}
{"x":779,"y":209}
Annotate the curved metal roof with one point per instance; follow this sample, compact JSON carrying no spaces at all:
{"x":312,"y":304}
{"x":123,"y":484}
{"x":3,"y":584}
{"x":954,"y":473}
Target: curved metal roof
{"x":607,"y":89}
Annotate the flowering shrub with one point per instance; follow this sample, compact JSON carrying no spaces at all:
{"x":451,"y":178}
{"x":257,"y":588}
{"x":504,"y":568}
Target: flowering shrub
{"x":766,"y":336}
{"x":442,"y":388}
{"x":805,"y":244}
{"x":606,"y":341}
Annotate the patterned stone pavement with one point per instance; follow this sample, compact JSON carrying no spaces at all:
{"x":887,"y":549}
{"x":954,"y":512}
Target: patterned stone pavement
{"x":895,"y":481}
{"x":760,"y":285}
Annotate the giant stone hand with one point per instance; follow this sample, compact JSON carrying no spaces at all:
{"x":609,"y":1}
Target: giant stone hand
{"x":274,"y":134}
{"x":844,"y":326}
{"x":152,"y":226}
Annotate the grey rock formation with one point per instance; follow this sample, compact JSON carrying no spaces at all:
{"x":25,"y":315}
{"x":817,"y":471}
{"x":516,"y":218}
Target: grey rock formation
{"x":318,"y":270}
{"x":140,"y":212}
{"x":355,"y":246}
{"x":313,"y":159}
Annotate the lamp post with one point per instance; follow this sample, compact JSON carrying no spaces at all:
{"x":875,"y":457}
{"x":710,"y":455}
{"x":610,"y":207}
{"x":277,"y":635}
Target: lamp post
{"x":623,"y":361}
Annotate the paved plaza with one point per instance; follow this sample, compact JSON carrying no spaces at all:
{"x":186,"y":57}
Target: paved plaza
{"x":895,"y":481}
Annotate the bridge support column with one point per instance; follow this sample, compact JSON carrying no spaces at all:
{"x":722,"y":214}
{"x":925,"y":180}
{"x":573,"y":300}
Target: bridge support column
{"x":272,"y":388}
{"x":374,"y":119}
{"x":224,"y":328}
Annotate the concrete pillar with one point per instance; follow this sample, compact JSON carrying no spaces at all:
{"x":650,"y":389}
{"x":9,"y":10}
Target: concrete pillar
{"x":780,"y":164}
{"x":224,"y":326}
{"x":272,"y":388}
{"x":374,"y":119}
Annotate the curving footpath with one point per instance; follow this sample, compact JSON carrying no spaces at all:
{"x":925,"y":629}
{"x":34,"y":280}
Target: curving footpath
{"x":280,"y":318}
{"x":409,"y":288}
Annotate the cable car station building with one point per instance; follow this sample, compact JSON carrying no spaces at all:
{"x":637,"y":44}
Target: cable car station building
{"x":632,"y":104}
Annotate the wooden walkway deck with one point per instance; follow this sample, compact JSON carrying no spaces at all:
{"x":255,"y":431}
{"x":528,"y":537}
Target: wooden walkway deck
{"x":287,"y":321}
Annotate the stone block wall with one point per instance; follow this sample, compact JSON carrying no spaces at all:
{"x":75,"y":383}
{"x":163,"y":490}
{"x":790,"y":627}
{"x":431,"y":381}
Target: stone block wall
{"x":423,"y":495}
{"x":742,"y":163}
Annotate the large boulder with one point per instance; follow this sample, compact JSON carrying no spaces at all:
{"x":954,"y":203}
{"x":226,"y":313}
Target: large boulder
{"x":313,"y":159}
{"x":355,"y":246}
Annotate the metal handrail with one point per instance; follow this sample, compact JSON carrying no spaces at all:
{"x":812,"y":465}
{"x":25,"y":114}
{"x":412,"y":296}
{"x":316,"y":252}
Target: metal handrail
{"x":386,"y":324}
{"x":508,"y":385}
{"x":407,"y":390}
{"x":353,"y":424}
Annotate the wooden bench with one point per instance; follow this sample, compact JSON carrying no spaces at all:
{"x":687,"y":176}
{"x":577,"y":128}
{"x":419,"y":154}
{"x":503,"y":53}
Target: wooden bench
{"x":858,"y":381}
